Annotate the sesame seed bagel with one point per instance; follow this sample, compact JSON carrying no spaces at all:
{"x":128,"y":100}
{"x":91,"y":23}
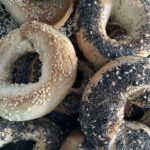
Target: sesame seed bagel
{"x":52,"y":12}
{"x":45,"y":134}
{"x":20,"y":102}
{"x":105,"y":97}
{"x":70,"y":104}
{"x":91,"y":20}
{"x":7,"y":23}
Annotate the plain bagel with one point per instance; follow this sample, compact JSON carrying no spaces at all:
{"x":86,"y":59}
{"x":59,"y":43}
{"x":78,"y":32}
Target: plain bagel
{"x":20,"y":102}
{"x":91,"y":20}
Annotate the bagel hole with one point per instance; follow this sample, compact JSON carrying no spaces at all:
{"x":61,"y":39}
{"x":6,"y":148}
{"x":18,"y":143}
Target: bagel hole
{"x":19,"y":145}
{"x":133,"y":112}
{"x":26,"y":69}
{"x":78,"y":79}
{"x":137,"y":106}
{"x":114,"y":30}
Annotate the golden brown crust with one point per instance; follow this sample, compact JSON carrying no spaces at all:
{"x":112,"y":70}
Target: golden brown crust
{"x":90,"y":51}
{"x":52,"y":12}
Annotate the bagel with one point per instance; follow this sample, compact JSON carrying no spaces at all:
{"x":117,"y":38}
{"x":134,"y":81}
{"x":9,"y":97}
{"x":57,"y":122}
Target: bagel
{"x":45,"y":134}
{"x":86,"y":145}
{"x":132,"y":135}
{"x":137,"y":136}
{"x":106,"y":95}
{"x":70,"y":104}
{"x":68,"y":28}
{"x":52,"y":12}
{"x":19,"y":102}
{"x":7,"y":23}
{"x":27,"y":70}
{"x":72,"y":142}
{"x":91,"y":19}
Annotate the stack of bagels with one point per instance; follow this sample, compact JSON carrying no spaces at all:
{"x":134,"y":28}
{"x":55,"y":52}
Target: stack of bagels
{"x":75,"y":74}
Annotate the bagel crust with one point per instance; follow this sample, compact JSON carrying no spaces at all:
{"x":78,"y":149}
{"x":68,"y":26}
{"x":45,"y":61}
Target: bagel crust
{"x":20,"y":102}
{"x":106,"y":95}
{"x":52,"y":12}
{"x":132,"y":135}
{"x":90,"y":24}
{"x":45,"y":134}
